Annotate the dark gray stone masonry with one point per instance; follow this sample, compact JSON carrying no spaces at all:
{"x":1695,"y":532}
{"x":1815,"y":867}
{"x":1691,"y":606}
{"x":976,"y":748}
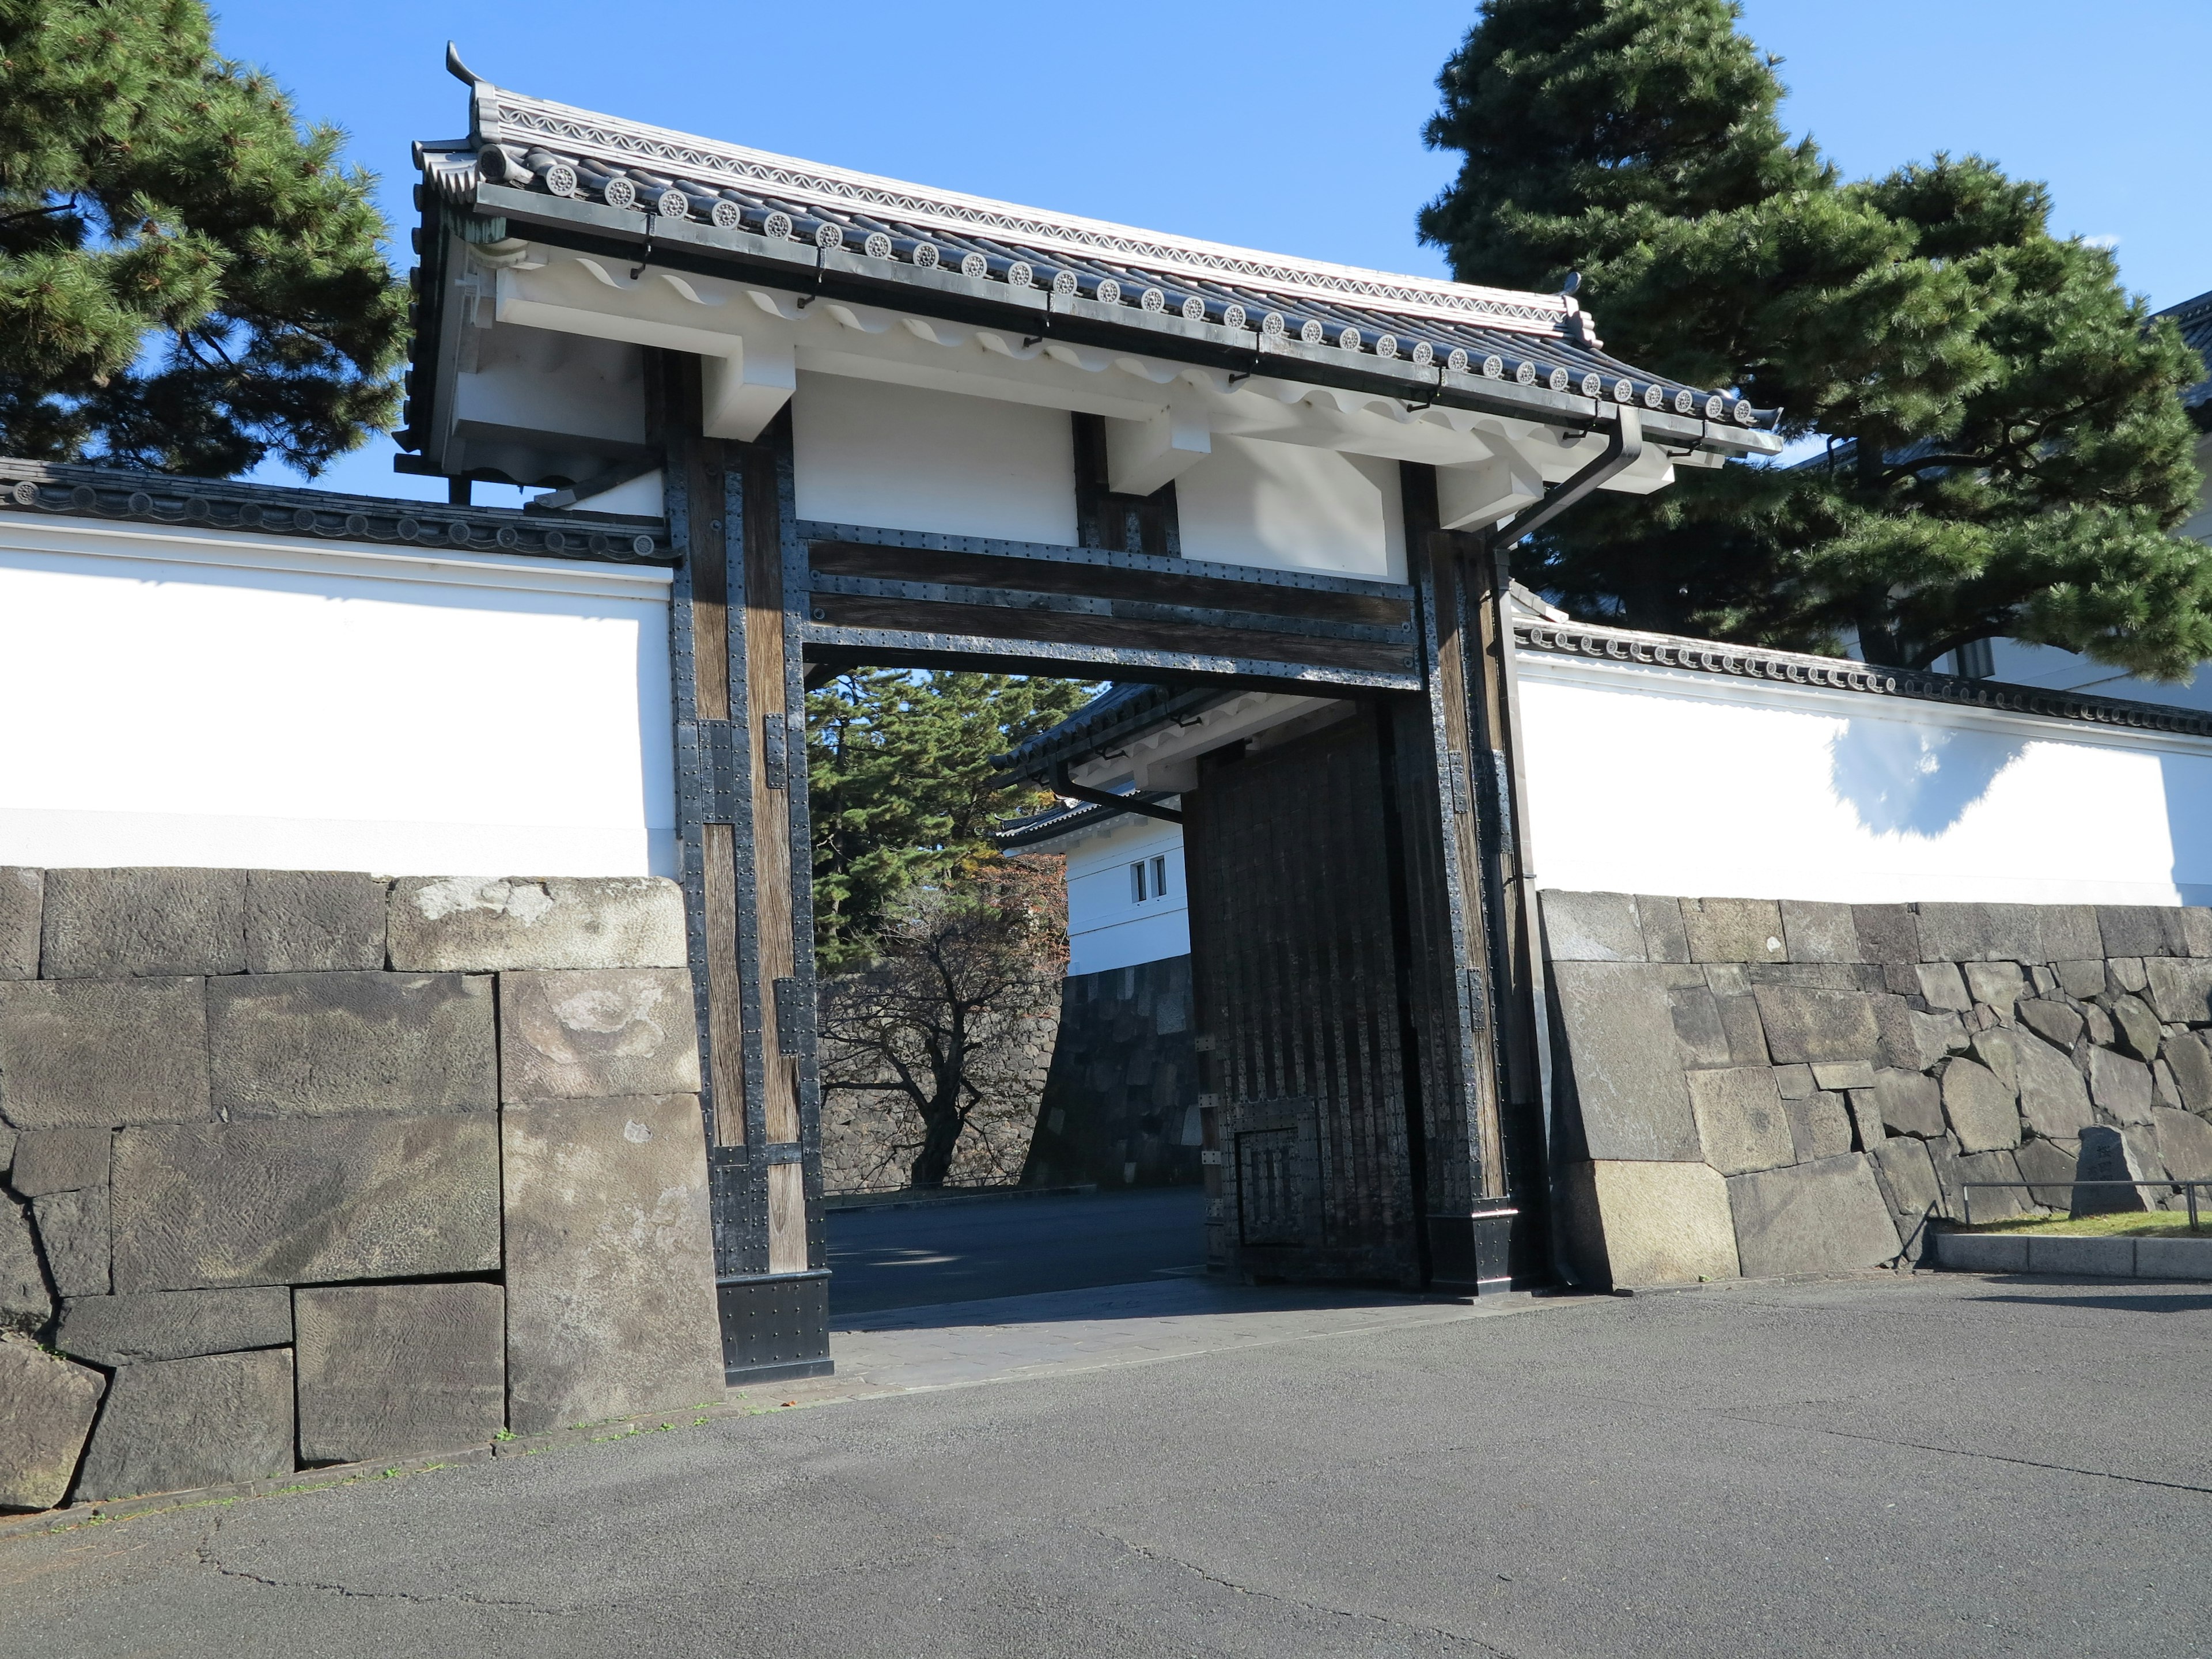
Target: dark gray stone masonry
{"x":292,"y":1044}
{"x":387,"y":1370}
{"x":120,"y":924}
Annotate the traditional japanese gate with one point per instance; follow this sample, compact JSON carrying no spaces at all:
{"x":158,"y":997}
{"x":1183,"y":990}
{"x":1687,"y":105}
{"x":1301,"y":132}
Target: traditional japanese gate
{"x":1368,"y":1000}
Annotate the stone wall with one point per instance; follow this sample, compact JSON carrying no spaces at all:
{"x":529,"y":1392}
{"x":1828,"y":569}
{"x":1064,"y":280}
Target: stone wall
{"x":1120,"y":1105}
{"x":1771,"y":1087}
{"x":311,"y":1167}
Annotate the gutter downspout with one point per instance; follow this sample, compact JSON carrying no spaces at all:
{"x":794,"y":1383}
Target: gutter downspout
{"x":1065,"y":785}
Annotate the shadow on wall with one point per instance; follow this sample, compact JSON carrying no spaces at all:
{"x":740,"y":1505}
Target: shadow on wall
{"x":1903,"y":779}
{"x":2186,"y":783}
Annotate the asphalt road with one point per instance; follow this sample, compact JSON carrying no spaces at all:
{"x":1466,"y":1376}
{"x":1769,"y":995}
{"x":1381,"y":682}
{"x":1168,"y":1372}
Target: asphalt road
{"x":960,"y":1249}
{"x":1953,"y":1467}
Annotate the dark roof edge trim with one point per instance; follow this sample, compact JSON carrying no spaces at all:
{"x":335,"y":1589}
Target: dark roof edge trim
{"x":1840,"y":674}
{"x":61,"y":491}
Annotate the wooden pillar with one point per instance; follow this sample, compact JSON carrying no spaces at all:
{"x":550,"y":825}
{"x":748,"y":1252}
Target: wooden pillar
{"x":741,"y":790}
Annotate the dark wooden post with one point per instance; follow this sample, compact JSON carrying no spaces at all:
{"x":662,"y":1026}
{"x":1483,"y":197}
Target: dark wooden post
{"x":741,"y":798}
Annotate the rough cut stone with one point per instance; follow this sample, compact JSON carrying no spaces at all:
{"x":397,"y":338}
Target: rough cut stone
{"x":1980,"y":932}
{"x":1822,"y":1217}
{"x":2051,"y":1164}
{"x":1733,"y":930}
{"x":2185,"y":1144}
{"x":1795,"y":1082}
{"x":2141,"y":930}
{"x":1997,"y":1201}
{"x":1636,"y":1223}
{"x":2080,"y":980}
{"x":1622,"y":1049}
{"x":389,"y":1370}
{"x":2127,"y":974}
{"x":2164,"y":1090}
{"x":25,"y":1303}
{"x":2120,"y":1086}
{"x":1819,"y":1127}
{"x":308,"y":1044}
{"x":1996,"y":984}
{"x":1999,"y":1050}
{"x":83,"y":1054}
{"x":1912,"y":1040}
{"x":1813,"y":1025}
{"x":597,"y":1034}
{"x":172,"y":1424}
{"x":2099,"y":1024}
{"x":1592,"y":927}
{"x":7,"y":1142}
{"x":46,"y":1408}
{"x":59,"y":1161}
{"x":1942,"y":984}
{"x":1910,"y":1103}
{"x":22,"y":892}
{"x":2054,"y":1096}
{"x":1665,"y":939}
{"x":2135,"y":1027}
{"x":469,"y":924}
{"x":1741,"y":1122}
{"x":1844,"y":1075}
{"x":126,"y":924}
{"x":1907,"y":1181}
{"x":610,"y":1301}
{"x":1868,"y":1132}
{"x":1980,"y":1107}
{"x":2181,"y":992}
{"x":299,"y":1200}
{"x":73,"y":1232}
{"x":1943,"y":1157}
{"x":2054,"y":1022}
{"x":308,"y":922}
{"x":2106,"y":1156}
{"x":1887,"y":932}
{"x":2190,"y":1061}
{"x":1820,"y":932}
{"x":1715,"y":1029}
{"x":2197,"y":930}
{"x":125,"y":1330}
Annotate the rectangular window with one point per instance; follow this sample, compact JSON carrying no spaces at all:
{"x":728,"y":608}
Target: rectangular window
{"x":1160,"y":877}
{"x":1136,"y":882}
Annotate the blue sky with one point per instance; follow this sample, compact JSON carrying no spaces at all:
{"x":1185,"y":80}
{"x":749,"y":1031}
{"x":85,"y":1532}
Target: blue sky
{"x":1291,"y":125}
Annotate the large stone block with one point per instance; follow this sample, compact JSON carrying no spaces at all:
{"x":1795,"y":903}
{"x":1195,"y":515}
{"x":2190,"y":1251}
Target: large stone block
{"x":1592,"y":927}
{"x":2184,"y":1143}
{"x":1979,"y":1108}
{"x":2190,"y":1061}
{"x":1741,"y":1122}
{"x":1911,"y":1104}
{"x":1820,"y":932}
{"x":2107,"y":1173}
{"x":59,"y":1160}
{"x":2054,"y":1022}
{"x":1733,"y":930}
{"x":1912,"y":1040}
{"x":1665,"y":939}
{"x":1997,"y":985}
{"x":173,"y":1425}
{"x":124,"y":924}
{"x":2141,"y":930}
{"x":2120,"y":1086}
{"x":26,"y":1303}
{"x":1887,"y":932}
{"x":465,"y":923}
{"x":308,"y":922}
{"x":597,"y":1033}
{"x":97,"y":1053}
{"x":308,"y":1044}
{"x":2181,"y":990}
{"x":2054,"y":1095}
{"x":1906,"y":1177}
{"x":2136,"y":1028}
{"x":73,"y":1233}
{"x":610,"y":1302}
{"x":1819,"y":1127}
{"x":306,"y":1200}
{"x":1634,"y":1223}
{"x":2015,"y":932}
{"x":1805,"y":1024}
{"x":1823,"y":1217}
{"x":126,"y":1330}
{"x":2051,"y":1164}
{"x":1621,"y":1044}
{"x":46,"y":1408}
{"x":385,"y":1370}
{"x":22,"y":895}
{"x":1989,"y":1180}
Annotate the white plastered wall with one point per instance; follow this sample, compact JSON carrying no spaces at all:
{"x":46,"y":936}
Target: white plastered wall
{"x":1661,"y":781}
{"x":184,"y":696}
{"x":905,"y":458}
{"x":1107,"y":927}
{"x":1288,"y":507}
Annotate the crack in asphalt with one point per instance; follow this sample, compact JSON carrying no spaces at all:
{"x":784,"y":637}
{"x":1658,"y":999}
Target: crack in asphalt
{"x":202,"y":1552}
{"x":1383,"y":1619}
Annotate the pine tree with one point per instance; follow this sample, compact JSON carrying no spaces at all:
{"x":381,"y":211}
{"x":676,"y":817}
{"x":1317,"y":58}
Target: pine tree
{"x":900,"y":786}
{"x":187,"y":282}
{"x":2006,"y":452}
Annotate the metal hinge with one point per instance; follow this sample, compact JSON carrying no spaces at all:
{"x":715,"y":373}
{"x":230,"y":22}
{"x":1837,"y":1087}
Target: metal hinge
{"x":775,"y":731}
{"x":787,"y":1017}
{"x":1478,"y":1002}
{"x":721,"y":767}
{"x":1463,"y":801}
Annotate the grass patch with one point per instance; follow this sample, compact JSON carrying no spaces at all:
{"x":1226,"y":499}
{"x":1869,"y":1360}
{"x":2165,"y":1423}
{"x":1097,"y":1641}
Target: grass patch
{"x":2125,"y":1223}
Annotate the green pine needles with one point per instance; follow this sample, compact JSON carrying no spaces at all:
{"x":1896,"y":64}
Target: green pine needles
{"x":2006,"y":452}
{"x":187,"y":282}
